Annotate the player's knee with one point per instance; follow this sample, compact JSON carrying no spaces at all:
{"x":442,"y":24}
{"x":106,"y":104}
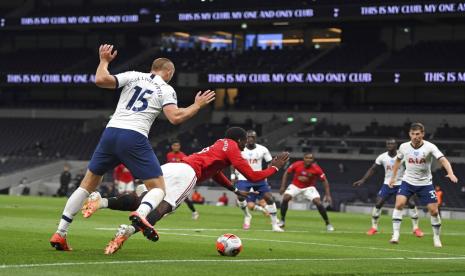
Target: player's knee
{"x":434,"y":212}
{"x":410,"y":205}
{"x":250,"y":205}
{"x":286,"y":199}
{"x":317,"y":201}
{"x":153,"y":183}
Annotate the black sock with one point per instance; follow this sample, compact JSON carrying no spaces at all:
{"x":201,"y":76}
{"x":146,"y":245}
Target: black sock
{"x":125,"y":202}
{"x":284,"y":206}
{"x":190,"y":204}
{"x":323,"y":213}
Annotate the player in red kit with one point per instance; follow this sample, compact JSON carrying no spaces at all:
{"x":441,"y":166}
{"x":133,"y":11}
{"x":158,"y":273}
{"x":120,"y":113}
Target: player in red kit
{"x":180,"y":179}
{"x":123,"y":179}
{"x":175,"y":156}
{"x":306,"y":173}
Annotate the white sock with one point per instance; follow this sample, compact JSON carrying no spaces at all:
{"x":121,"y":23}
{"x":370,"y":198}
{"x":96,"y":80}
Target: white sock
{"x":271,"y":208}
{"x":396,"y":221}
{"x":243,"y":206}
{"x":103,"y":203}
{"x":436,"y":223}
{"x":375,"y":217}
{"x":72,"y":207}
{"x":413,"y":212}
{"x":150,"y":201}
{"x":259,"y":209}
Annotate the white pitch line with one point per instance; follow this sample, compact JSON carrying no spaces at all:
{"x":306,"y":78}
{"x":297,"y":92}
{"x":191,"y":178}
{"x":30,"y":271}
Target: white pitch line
{"x":223,"y":261}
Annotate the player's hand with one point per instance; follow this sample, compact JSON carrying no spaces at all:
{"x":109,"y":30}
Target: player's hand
{"x":202,"y":99}
{"x":358,"y":183}
{"x":280,"y":160}
{"x":328,"y":198}
{"x":452,"y":178}
{"x":391,"y":183}
{"x":105,"y":52}
{"x":282,"y":190}
{"x":244,"y":194}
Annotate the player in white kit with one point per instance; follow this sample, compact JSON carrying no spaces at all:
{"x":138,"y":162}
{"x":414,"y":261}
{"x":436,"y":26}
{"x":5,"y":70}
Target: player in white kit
{"x":144,"y":96}
{"x":418,"y":155}
{"x":387,"y":160}
{"x":255,"y":154}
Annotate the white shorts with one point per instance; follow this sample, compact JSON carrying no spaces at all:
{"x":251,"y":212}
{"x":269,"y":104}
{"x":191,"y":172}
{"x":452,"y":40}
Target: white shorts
{"x":124,"y":187}
{"x":180,"y":180}
{"x":309,"y":193}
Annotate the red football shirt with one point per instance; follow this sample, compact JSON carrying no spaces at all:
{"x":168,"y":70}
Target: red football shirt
{"x":121,"y":173}
{"x":174,"y":157}
{"x":313,"y":172}
{"x":209,"y":162}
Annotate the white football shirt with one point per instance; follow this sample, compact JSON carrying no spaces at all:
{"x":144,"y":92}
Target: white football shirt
{"x":418,"y":162}
{"x":142,"y":99}
{"x":388,"y":163}
{"x":255,"y":158}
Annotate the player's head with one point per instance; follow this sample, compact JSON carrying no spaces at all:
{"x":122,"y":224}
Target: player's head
{"x":251,"y":137}
{"x":417,"y":132}
{"x":391,"y":144}
{"x":176,"y":146}
{"x":308,"y":159}
{"x":164,"y":68}
{"x":237,"y":134}
{"x":437,"y":187}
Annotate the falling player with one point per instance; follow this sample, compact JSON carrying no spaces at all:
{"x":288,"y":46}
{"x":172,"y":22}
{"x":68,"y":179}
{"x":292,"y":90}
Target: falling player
{"x":255,"y":154}
{"x":306,"y":172}
{"x":175,"y":156}
{"x":143,"y":97}
{"x":387,"y":160}
{"x":182,"y":177}
{"x":418,"y":155}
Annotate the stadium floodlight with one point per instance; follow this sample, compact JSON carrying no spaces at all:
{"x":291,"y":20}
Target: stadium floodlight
{"x":313,"y":120}
{"x":290,"y":119}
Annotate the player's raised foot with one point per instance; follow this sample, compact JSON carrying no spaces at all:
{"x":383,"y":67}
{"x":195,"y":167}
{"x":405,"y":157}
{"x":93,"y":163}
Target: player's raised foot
{"x":123,"y":233}
{"x":91,"y":205}
{"x":372,"y":231}
{"x":437,"y":242}
{"x":144,"y":226}
{"x":418,"y":233}
{"x":195,"y":215}
{"x":329,"y":227}
{"x":276,"y":228}
{"x":59,"y":242}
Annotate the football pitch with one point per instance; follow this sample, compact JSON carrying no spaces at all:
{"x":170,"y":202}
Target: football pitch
{"x":187,"y":247}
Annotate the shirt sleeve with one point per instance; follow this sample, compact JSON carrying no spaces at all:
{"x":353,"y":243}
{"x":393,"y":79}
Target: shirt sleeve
{"x":400,"y":153}
{"x":436,"y":152}
{"x":267,"y":156}
{"x":379,"y":160}
{"x":169,"y":96}
{"x":123,"y":78}
{"x":234,"y":155}
{"x":291,"y":168}
{"x":321,"y":173}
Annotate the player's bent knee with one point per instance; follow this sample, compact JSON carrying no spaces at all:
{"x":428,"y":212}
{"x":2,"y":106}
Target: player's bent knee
{"x":157,"y":182}
{"x":317,"y":201}
{"x":90,"y":181}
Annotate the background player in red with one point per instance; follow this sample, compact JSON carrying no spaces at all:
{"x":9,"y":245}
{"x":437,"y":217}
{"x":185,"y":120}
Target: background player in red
{"x":306,"y":172}
{"x":123,"y":179}
{"x":181,"y":179}
{"x":174,"y":156}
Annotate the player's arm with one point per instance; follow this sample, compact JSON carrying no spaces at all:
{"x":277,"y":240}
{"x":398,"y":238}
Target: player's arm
{"x":327,"y":196}
{"x":221,"y":179}
{"x":395,"y":169}
{"x":371,"y":171}
{"x":233,"y":175}
{"x":177,"y":115}
{"x":447,"y":166}
{"x":234,"y":155}
{"x":103,"y":78}
{"x":283,"y":183}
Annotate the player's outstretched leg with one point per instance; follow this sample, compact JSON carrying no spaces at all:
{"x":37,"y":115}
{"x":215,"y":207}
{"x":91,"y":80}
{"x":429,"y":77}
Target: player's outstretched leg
{"x":375,"y":214}
{"x":122,"y":234}
{"x":123,"y":202}
{"x":323,"y":213}
{"x":72,"y":207}
{"x":190,"y":204}
{"x":397,"y":218}
{"x":413,"y":213}
{"x":247,"y":216}
{"x":284,"y":207}
{"x":257,"y":208}
{"x":150,"y":201}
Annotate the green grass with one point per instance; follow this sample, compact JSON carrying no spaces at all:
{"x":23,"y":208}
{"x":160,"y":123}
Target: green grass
{"x":188,"y":247}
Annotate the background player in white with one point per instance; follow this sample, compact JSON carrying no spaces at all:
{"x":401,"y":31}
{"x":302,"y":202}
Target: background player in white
{"x":124,"y":140}
{"x":387,"y":160}
{"x":255,"y":154}
{"x":418,"y":155}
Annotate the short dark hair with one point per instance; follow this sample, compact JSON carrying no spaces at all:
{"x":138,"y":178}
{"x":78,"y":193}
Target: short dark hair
{"x":308,"y":153}
{"x":175,"y":142}
{"x":235,"y":133}
{"x":391,"y":140}
{"x":417,"y":126}
{"x":251,"y":132}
